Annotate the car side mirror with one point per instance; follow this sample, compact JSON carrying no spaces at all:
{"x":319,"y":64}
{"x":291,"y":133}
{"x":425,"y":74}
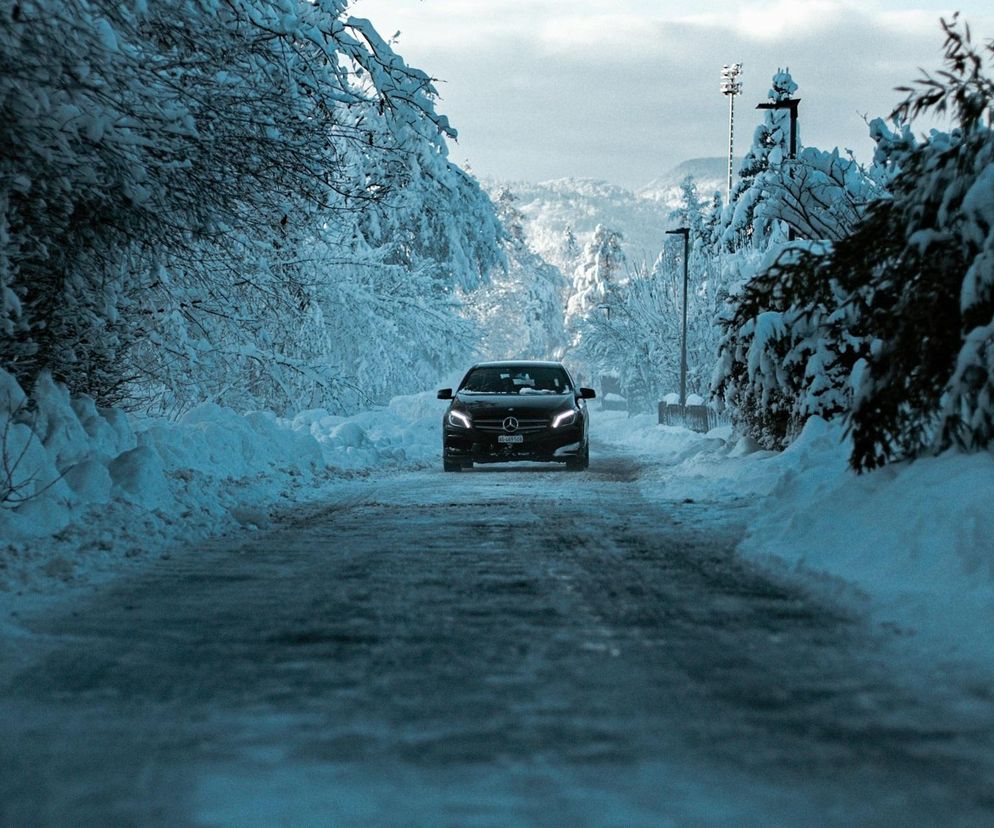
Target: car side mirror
{"x":445,"y":394}
{"x":588,"y":393}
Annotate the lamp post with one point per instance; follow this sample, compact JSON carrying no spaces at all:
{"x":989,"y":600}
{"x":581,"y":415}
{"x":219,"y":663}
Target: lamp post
{"x":685,"y":232}
{"x":791,"y":104}
{"x":730,"y":87}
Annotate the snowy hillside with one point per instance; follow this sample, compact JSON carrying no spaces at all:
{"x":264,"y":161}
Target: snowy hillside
{"x":642,"y":216}
{"x":550,"y":207}
{"x":708,"y":173}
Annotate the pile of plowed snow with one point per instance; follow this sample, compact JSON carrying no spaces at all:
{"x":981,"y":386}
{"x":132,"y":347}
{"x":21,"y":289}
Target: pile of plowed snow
{"x":916,"y":538}
{"x":81,"y":485}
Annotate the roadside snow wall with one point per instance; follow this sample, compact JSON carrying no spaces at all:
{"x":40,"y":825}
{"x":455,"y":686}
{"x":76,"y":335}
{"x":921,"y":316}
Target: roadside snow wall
{"x":75,"y":479}
{"x":915,"y":538}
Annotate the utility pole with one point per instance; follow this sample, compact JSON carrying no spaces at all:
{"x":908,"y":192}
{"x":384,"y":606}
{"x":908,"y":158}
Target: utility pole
{"x":685,"y":232}
{"x":730,"y":87}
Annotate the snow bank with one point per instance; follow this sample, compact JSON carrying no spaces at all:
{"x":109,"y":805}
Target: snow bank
{"x":915,"y":539}
{"x":75,"y":478}
{"x":681,"y":464}
{"x":406,"y":433}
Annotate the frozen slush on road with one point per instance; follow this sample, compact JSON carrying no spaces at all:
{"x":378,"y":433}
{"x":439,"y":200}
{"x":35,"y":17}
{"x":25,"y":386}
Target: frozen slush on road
{"x":437,"y":646}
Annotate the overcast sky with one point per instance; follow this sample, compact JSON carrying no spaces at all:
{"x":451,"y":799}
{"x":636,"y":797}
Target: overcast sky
{"x":625,"y":90}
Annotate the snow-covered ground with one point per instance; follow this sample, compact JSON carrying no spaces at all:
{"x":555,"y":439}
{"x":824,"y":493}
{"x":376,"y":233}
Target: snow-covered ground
{"x":95,"y":489}
{"x":912,"y":544}
{"x":102,"y":490}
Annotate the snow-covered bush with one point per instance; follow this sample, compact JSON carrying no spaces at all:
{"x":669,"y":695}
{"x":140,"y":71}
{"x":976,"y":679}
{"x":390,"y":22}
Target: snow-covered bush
{"x":921,"y":270}
{"x":789,"y":348}
{"x":892,"y":323}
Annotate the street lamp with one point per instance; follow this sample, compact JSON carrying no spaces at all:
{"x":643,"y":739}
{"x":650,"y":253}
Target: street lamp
{"x":685,"y":232}
{"x":791,"y":104}
{"x":730,"y":87}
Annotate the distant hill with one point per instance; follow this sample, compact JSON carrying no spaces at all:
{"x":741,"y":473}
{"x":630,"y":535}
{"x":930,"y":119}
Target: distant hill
{"x":710,"y":175}
{"x":552,"y":206}
{"x":642,"y":216}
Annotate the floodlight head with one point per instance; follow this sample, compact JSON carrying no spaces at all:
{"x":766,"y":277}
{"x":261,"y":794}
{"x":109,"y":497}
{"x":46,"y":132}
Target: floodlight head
{"x":730,"y":83}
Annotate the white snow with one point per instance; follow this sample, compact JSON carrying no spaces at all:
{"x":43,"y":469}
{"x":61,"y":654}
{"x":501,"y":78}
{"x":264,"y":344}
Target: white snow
{"x":917,"y":537}
{"x":911,"y":544}
{"x":92,"y":487}
{"x":96,"y":488}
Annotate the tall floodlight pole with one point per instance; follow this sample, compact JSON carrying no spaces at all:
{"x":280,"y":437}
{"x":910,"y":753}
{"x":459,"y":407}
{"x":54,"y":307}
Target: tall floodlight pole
{"x":685,"y":232}
{"x":730,"y":87}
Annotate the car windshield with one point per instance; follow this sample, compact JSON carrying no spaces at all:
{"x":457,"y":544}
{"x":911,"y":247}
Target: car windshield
{"x":534,"y":379}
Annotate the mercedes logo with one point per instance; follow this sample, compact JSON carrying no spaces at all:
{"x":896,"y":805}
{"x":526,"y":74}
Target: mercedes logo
{"x":510,"y":424}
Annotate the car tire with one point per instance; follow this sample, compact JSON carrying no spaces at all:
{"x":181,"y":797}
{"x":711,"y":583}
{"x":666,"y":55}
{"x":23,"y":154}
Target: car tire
{"x":452,"y":465}
{"x":579,"y":463}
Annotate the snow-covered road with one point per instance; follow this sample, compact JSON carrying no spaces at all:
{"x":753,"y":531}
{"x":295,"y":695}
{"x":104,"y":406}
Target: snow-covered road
{"x":506,"y":646}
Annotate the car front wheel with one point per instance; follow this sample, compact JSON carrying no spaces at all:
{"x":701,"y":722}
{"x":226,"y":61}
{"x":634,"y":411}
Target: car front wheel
{"x":581,"y":462}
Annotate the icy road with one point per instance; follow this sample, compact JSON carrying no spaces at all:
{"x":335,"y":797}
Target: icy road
{"x":500,"y":647}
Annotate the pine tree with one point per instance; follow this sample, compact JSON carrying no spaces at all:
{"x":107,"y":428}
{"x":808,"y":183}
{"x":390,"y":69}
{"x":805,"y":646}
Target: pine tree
{"x":770,"y":148}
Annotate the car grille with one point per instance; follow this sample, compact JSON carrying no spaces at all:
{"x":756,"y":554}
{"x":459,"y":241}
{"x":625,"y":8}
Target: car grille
{"x":524,"y":426}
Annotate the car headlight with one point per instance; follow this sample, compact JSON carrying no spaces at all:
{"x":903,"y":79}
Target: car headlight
{"x":564,"y":418}
{"x":459,"y":420}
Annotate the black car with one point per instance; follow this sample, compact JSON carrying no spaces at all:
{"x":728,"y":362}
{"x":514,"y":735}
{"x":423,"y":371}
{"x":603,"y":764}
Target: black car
{"x":506,"y":411}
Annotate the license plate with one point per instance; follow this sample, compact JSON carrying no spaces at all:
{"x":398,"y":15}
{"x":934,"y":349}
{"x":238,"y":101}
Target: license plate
{"x":510,"y":438}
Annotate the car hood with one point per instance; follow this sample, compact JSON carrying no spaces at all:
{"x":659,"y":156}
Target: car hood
{"x":482,"y":404}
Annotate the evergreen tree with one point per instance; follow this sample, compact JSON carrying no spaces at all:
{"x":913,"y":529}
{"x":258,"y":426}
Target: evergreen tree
{"x":770,"y":148}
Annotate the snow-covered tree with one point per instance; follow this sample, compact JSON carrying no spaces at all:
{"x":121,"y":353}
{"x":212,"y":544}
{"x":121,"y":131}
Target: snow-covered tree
{"x":788,"y":344}
{"x":521,"y":309}
{"x":770,"y":148}
{"x":635,"y":337}
{"x":189,"y":189}
{"x":771,"y":139}
{"x":599,"y":272}
{"x":890,"y":322}
{"x":569,"y":251}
